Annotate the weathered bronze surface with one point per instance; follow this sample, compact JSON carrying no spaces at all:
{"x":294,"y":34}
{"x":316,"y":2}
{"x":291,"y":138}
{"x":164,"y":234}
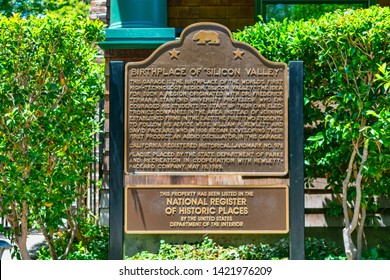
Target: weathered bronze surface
{"x":211,"y":209}
{"x":206,"y":104}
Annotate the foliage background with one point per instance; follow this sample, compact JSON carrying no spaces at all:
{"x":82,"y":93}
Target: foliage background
{"x":279,"y":12}
{"x":346,"y":56}
{"x":43,"y":7}
{"x":207,"y":249}
{"x":50,"y":85}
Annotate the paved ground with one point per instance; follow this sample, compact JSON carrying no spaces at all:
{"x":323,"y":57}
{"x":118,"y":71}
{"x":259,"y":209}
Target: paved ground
{"x":34,"y":240}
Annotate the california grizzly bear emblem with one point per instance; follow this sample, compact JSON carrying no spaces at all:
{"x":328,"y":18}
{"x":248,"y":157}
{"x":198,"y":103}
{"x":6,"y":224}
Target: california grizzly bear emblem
{"x":206,"y":37}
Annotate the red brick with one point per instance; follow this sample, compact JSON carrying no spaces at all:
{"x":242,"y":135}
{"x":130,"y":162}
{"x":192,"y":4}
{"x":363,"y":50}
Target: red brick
{"x":98,"y":10}
{"x":98,"y":3}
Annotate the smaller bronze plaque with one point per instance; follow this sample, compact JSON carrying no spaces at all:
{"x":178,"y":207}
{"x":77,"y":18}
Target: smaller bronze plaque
{"x":206,"y":209}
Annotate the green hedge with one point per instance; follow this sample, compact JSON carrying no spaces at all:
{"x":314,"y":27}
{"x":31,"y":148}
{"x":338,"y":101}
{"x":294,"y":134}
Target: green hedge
{"x":346,"y":57}
{"x":210,"y":250}
{"x":50,"y":85}
{"x":44,"y":7}
{"x":207,"y":249}
{"x":342,"y":53}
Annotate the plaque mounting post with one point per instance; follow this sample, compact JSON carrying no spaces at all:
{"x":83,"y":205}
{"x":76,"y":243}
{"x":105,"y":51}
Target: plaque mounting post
{"x":116,"y":160}
{"x":297,"y":207}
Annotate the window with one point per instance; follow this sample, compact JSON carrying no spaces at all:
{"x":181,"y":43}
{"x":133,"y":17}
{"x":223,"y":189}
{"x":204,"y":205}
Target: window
{"x":304,"y":9}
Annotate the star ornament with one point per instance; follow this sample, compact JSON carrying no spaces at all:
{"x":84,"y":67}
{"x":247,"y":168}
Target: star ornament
{"x":174,"y":54}
{"x":238,"y":54}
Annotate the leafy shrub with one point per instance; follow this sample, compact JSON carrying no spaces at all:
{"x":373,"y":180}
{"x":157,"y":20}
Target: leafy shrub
{"x":204,"y":250}
{"x":39,"y":7}
{"x":379,"y":252}
{"x":320,"y":250}
{"x":93,"y":246}
{"x":50,"y":85}
{"x":210,"y":250}
{"x":342,"y":53}
{"x":347,"y":103}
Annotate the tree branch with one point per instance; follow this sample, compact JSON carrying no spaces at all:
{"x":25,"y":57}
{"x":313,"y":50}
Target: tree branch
{"x":360,"y":233}
{"x":64,"y":89}
{"x":345,"y":186}
{"x":2,"y":171}
{"x":358,"y":181}
{"x":49,"y":240}
{"x":350,"y":248}
{"x":73,"y":227}
{"x":22,"y":238}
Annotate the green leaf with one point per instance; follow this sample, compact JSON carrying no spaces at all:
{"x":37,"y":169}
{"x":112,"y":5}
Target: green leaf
{"x":372,"y":113}
{"x":318,"y":137}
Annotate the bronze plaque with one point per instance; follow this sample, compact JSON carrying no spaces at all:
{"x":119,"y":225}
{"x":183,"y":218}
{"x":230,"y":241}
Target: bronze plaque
{"x":201,"y":209}
{"x":206,"y":104}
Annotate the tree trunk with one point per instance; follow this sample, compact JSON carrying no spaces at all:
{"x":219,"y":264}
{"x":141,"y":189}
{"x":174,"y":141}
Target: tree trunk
{"x":50,"y":243}
{"x":349,"y":246}
{"x":72,"y":236}
{"x":358,"y":201}
{"x":21,"y":237}
{"x":350,"y":226}
{"x":360,"y":233}
{"x":21,"y":242}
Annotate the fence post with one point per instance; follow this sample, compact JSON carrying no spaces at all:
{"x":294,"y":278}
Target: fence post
{"x":116,"y":201}
{"x":296,"y":164}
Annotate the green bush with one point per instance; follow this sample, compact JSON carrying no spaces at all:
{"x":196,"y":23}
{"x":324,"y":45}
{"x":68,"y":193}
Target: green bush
{"x":93,"y":246}
{"x":41,"y":7}
{"x":207,"y":249}
{"x":50,"y":85}
{"x":346,"y":101}
{"x":210,"y":250}
{"x":320,"y":250}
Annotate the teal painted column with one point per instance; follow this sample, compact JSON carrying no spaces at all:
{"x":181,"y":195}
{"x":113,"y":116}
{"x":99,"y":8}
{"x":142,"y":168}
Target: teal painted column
{"x":137,"y":24}
{"x":136,"y":13}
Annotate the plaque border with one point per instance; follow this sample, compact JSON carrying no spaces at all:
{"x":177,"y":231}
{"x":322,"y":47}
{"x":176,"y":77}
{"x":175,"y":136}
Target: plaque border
{"x":235,"y":43}
{"x":159,"y":187}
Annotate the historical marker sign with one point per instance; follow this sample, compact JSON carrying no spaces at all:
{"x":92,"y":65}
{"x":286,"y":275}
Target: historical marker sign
{"x":211,"y":209}
{"x":206,"y":104}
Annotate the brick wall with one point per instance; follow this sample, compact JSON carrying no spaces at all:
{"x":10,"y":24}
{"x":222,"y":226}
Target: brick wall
{"x":99,"y":10}
{"x":235,"y":14}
